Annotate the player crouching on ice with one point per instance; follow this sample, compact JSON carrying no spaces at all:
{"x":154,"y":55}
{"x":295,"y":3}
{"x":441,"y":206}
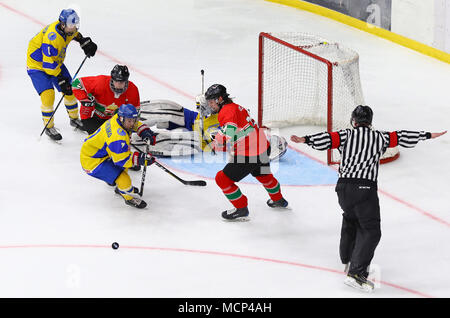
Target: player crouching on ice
{"x":106,"y":154}
{"x":187,"y":132}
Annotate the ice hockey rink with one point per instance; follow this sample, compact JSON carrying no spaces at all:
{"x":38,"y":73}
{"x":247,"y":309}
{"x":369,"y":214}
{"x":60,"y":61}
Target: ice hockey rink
{"x":57,"y":224}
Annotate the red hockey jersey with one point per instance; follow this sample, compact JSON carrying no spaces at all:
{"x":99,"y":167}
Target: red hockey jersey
{"x":106,"y":104}
{"x":240,"y":132}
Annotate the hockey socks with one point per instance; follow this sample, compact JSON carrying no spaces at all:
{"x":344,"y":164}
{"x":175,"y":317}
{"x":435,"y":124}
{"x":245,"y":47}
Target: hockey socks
{"x":124,"y":186}
{"x":71,"y":106}
{"x":271,"y":185}
{"x":231,"y":190}
{"x":47,"y":100}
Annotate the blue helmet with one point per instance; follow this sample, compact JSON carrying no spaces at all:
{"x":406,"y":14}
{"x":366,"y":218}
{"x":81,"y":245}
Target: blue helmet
{"x":70,"y":18}
{"x":128,"y":111}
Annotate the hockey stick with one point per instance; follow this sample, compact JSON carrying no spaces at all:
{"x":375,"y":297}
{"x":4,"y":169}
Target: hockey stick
{"x":76,"y":73}
{"x":144,"y":171}
{"x":200,"y":183}
{"x":208,"y":141}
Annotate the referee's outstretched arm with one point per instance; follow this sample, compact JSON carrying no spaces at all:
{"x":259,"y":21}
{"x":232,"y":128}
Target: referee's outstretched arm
{"x":301,"y":140}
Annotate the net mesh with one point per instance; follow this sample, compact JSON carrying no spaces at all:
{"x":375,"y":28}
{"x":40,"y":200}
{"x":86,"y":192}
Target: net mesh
{"x":294,"y":85}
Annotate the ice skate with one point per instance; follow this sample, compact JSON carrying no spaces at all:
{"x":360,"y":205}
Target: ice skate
{"x":137,"y":203}
{"x":359,"y":282}
{"x":53,"y":133}
{"x":76,"y":123}
{"x":282,"y":203}
{"x":236,"y":214}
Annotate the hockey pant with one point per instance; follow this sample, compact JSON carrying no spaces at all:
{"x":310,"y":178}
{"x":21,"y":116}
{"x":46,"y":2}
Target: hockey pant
{"x":234,"y":172}
{"x":92,"y":124}
{"x":114,"y":175}
{"x":360,"y":232}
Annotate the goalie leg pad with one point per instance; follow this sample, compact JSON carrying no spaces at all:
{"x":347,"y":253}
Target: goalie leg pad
{"x":162,"y":112}
{"x":231,"y":190}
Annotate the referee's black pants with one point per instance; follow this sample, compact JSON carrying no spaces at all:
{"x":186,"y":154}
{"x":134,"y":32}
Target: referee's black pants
{"x":360,"y":232}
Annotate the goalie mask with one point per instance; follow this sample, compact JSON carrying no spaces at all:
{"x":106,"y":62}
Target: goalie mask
{"x":278,"y":146}
{"x":361,"y":116}
{"x":119,"y":79}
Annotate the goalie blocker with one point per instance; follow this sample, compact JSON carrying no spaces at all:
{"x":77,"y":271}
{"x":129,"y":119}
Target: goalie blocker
{"x":180,"y":130}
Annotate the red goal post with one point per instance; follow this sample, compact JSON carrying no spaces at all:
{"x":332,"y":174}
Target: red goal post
{"x":307,"y":80}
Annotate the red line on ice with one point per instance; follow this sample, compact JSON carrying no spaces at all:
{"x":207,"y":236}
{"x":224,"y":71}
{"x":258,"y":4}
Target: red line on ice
{"x":215,"y":253}
{"x":409,"y":205}
{"x":210,"y":252}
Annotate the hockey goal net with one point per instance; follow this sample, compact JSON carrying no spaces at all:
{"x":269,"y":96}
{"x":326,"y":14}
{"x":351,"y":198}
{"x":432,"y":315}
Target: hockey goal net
{"x":308,"y":80}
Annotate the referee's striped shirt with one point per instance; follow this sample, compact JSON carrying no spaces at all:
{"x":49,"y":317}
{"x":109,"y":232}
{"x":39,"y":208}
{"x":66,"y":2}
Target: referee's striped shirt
{"x":361,"y":148}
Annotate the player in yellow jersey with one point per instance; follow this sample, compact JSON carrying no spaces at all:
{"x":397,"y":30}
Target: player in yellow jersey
{"x":106,"y":153}
{"x":183,"y":126}
{"x":45,"y":66}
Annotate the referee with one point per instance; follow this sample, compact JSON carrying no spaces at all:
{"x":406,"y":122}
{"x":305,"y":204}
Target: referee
{"x":361,"y":149}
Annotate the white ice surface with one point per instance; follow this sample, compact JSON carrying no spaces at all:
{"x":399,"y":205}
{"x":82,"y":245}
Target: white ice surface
{"x":57,"y":224}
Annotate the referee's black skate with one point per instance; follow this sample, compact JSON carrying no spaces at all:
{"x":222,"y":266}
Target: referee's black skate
{"x":359,"y":282}
{"x":235,"y":214}
{"x":282,"y":203}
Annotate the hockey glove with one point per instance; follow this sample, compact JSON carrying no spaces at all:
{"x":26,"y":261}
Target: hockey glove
{"x":65,"y":84}
{"x":88,"y":46}
{"x":139,"y":159}
{"x":147,"y":134}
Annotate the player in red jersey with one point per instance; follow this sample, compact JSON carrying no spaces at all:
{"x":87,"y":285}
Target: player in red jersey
{"x":101,"y":96}
{"x":250,"y":151}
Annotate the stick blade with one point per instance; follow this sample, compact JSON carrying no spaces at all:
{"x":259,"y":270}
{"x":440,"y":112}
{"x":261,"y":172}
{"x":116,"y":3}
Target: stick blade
{"x":200,"y":183}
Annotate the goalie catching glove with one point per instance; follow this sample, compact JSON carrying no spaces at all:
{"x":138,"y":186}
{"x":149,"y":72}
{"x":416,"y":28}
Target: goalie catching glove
{"x":139,"y":159}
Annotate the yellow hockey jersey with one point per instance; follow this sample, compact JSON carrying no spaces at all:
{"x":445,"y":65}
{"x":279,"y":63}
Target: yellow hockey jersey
{"x":47,"y":50}
{"x":210,"y":128}
{"x":109,"y":141}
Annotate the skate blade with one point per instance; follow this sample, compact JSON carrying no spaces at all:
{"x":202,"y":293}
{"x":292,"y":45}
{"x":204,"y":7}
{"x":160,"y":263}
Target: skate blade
{"x":352,"y":283}
{"x":58,"y":142}
{"x":281,"y":208}
{"x":241,"y":219}
{"x":80,"y":130}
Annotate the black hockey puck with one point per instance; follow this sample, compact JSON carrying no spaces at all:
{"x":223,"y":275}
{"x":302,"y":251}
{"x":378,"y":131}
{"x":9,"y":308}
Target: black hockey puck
{"x":115,"y":245}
